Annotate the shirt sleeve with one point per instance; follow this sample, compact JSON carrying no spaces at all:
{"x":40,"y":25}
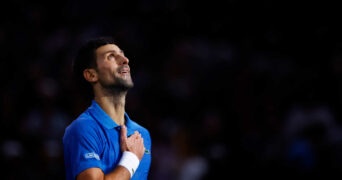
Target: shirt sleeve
{"x":82,"y":147}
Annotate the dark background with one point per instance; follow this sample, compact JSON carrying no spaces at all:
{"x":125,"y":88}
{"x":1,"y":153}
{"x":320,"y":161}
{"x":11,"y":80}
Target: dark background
{"x":226,"y":88}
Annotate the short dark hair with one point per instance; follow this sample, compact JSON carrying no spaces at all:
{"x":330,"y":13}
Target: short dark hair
{"x":86,"y":58}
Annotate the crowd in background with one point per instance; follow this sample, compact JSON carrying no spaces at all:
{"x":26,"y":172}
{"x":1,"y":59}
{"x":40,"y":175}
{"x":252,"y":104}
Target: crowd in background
{"x":226,"y":89}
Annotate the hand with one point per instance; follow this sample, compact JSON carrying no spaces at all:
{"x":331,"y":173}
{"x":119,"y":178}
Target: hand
{"x":134,"y":143}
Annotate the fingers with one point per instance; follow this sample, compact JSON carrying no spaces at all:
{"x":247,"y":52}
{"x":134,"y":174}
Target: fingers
{"x":136,"y":134}
{"x":135,"y":138}
{"x":133,"y":143}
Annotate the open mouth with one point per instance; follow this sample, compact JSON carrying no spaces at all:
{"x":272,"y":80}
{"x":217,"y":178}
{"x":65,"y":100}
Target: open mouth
{"x":125,"y":71}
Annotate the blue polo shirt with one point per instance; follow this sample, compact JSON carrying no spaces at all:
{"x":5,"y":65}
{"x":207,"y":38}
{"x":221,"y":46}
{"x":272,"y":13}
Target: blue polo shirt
{"x":93,"y":140}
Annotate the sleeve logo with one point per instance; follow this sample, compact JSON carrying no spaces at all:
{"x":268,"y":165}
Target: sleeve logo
{"x":91,"y":155}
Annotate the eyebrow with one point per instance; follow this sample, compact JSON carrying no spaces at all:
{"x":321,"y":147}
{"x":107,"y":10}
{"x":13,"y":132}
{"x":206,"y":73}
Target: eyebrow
{"x":113,"y":51}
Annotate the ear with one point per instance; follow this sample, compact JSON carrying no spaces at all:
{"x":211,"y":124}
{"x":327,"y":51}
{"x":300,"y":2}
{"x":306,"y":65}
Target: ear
{"x":90,"y":75}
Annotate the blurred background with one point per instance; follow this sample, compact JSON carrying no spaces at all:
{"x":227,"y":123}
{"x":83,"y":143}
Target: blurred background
{"x":226,"y":88}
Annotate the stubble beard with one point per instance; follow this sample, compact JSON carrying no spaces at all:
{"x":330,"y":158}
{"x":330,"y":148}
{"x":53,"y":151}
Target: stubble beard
{"x":123,"y":85}
{"x":119,"y":86}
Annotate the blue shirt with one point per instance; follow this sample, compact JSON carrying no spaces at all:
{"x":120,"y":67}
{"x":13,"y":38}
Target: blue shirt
{"x":93,"y":140}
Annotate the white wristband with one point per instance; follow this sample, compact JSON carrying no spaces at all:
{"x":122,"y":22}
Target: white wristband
{"x":130,"y":161}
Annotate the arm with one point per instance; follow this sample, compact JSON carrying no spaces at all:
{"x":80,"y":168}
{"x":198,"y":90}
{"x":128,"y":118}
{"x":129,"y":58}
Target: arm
{"x":133,"y":144}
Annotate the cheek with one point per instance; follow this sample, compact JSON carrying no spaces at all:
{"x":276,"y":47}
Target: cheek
{"x":107,"y":68}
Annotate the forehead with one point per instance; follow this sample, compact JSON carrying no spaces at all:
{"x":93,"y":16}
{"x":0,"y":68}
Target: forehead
{"x":107,"y":48}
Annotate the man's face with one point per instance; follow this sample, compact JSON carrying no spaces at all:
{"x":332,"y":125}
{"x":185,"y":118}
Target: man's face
{"x":112,"y":68}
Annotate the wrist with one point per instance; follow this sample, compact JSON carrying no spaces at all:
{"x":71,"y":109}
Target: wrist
{"x":130,"y":161}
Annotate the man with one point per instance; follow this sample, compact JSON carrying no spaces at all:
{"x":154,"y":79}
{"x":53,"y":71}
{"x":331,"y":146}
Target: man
{"x":103,"y":142}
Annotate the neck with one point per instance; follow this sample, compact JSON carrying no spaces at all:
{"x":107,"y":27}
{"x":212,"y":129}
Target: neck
{"x":114,"y":106}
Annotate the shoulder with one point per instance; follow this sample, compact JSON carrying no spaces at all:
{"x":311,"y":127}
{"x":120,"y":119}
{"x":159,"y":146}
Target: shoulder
{"x":81,"y":125}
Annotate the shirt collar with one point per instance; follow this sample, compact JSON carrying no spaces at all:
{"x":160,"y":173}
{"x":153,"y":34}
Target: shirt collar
{"x":102,"y":117}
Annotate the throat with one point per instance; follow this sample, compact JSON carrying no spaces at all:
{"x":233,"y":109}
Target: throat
{"x":118,"y":117}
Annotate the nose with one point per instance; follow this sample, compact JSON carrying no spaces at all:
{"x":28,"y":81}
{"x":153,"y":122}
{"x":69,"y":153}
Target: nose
{"x":123,"y":59}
